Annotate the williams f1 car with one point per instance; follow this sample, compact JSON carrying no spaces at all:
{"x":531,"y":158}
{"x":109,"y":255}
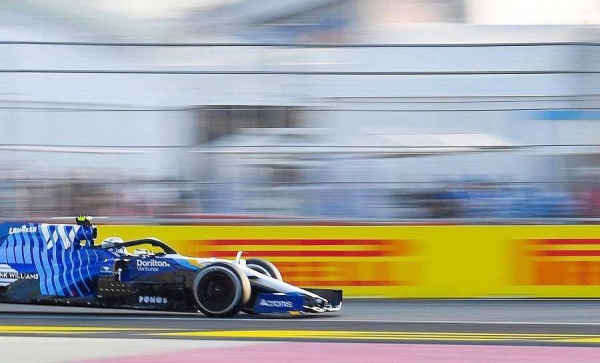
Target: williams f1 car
{"x":60,"y":264}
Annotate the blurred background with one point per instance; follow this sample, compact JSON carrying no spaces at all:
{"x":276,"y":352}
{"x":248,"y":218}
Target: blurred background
{"x":350,"y":110}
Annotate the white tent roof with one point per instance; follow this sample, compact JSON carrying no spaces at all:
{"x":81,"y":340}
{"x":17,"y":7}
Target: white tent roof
{"x":303,"y":142}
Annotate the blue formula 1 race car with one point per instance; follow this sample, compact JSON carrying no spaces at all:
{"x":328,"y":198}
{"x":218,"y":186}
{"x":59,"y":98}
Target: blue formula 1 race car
{"x":60,"y":264}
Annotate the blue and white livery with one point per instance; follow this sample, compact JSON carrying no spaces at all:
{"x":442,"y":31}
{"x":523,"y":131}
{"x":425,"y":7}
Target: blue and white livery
{"x":61,"y":264}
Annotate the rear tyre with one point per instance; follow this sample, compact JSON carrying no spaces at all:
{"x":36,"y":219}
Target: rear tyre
{"x":220,"y":290}
{"x":264,"y":267}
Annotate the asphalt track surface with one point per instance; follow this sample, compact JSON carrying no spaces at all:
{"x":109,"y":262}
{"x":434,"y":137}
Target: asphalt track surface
{"x":480,"y":322}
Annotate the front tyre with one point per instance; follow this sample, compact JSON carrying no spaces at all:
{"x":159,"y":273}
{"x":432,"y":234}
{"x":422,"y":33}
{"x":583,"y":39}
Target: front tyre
{"x":220,"y":290}
{"x":264,"y":267}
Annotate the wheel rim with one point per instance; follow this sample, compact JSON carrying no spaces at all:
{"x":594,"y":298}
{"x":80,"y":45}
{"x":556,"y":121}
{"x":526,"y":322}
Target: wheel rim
{"x":217,"y":292}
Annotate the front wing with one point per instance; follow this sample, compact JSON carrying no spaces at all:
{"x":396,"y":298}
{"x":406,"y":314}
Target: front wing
{"x":327,"y":300}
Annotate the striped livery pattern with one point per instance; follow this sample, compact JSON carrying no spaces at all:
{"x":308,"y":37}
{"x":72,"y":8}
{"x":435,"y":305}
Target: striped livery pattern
{"x":51,"y":254}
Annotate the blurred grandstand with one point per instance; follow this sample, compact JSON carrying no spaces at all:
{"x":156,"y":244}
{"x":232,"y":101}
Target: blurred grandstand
{"x":374,"y":110}
{"x":475,"y":200}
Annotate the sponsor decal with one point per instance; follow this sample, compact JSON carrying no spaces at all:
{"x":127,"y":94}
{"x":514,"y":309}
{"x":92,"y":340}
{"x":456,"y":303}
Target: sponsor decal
{"x":151,"y":264}
{"x":22,"y":229}
{"x":331,"y":262}
{"x":557,"y":262}
{"x":152,"y":300}
{"x":8,"y":275}
{"x":18,"y":276}
{"x":276,"y":304}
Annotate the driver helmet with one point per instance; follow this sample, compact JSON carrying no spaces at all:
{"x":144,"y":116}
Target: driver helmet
{"x":110,"y":242}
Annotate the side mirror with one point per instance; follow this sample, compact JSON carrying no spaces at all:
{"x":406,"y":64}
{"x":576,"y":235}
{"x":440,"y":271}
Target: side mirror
{"x":238,"y":258}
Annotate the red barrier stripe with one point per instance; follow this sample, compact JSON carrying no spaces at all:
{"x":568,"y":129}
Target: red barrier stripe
{"x":296,"y":242}
{"x":346,"y":283}
{"x":292,"y":275}
{"x":569,"y":253}
{"x":569,"y":241}
{"x":266,"y":254}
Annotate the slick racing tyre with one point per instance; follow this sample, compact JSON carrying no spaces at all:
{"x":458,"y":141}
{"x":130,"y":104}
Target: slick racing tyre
{"x":221,"y":290}
{"x":264,"y":267}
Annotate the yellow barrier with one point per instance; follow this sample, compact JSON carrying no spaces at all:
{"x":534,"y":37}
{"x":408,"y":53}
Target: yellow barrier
{"x":407,"y":261}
